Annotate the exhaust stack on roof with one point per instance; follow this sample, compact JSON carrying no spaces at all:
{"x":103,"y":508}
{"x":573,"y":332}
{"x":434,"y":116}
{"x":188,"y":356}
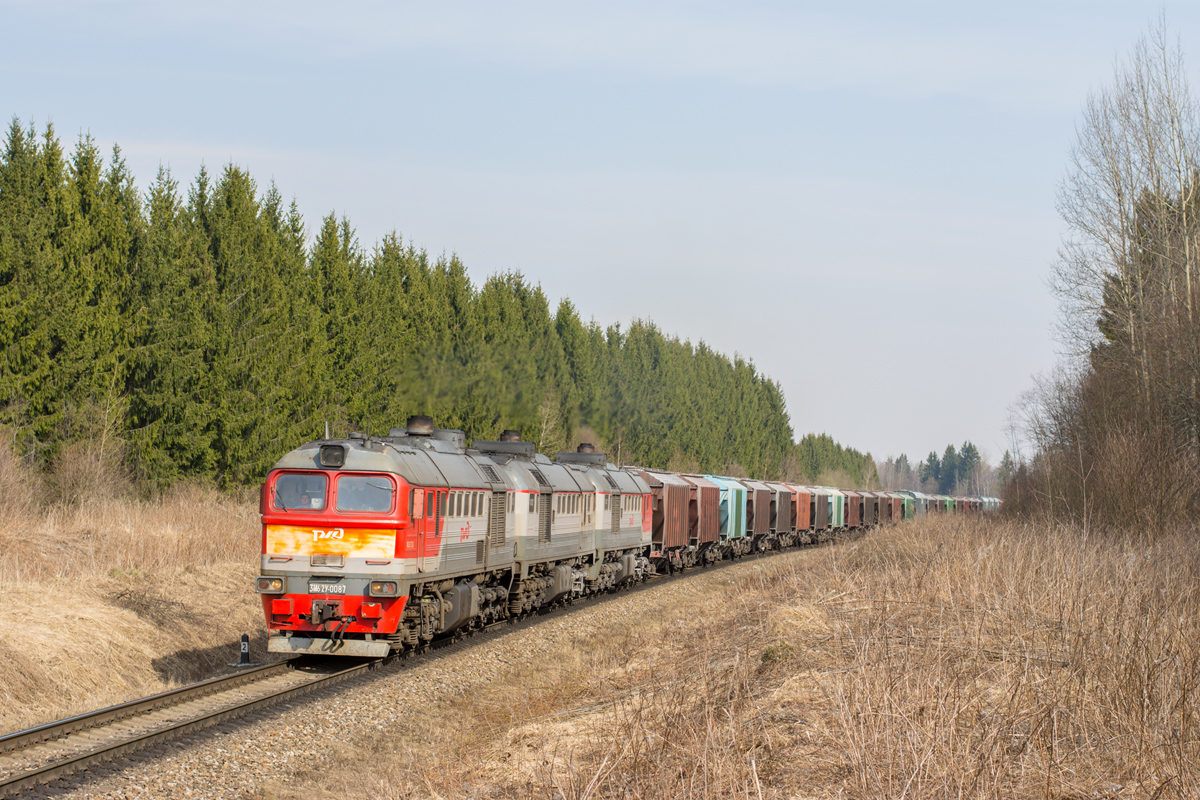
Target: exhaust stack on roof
{"x":420,"y":425}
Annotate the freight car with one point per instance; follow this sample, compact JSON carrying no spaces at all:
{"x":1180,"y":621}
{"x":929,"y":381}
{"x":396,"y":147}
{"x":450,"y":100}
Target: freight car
{"x":374,"y":545}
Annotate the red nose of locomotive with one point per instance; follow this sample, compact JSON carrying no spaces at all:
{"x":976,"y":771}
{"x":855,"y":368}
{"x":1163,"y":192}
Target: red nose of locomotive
{"x":331,"y":572}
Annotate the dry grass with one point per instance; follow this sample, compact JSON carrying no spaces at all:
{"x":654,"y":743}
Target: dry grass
{"x":189,"y":527}
{"x":1005,"y":660}
{"x":944,"y":658}
{"x":110,"y":598}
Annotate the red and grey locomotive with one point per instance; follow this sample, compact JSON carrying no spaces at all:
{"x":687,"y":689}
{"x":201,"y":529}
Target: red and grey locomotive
{"x":377,"y":544}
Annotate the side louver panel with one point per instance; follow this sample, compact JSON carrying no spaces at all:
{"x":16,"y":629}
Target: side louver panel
{"x":544,"y":519}
{"x":497,"y":519}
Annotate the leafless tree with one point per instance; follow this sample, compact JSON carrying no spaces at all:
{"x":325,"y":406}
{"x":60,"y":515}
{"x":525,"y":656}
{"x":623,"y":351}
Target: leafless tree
{"x":1126,"y":277}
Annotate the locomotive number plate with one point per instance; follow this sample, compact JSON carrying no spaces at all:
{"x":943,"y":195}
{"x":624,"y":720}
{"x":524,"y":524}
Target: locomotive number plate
{"x":324,"y":587}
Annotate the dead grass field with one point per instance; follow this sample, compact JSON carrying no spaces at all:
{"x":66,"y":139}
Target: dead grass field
{"x":940,"y":658}
{"x":112,"y":599}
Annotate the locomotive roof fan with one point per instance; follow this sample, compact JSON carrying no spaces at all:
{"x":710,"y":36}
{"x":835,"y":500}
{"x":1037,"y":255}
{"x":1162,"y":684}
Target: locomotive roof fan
{"x":510,"y":436}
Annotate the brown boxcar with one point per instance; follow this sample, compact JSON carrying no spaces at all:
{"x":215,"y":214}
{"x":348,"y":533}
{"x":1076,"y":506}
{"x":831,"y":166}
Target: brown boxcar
{"x":670,"y":495}
{"x":868,"y":517}
{"x":885,"y":507}
{"x":758,"y":507}
{"x":820,"y":512}
{"x":895,"y":507}
{"x":873,"y":511}
{"x":854,"y":508}
{"x":704,"y":510}
{"x":783,"y":517}
{"x":869,"y":505}
{"x":802,"y":505}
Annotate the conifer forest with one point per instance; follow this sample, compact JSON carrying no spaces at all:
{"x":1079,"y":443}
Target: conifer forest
{"x":198,"y":331}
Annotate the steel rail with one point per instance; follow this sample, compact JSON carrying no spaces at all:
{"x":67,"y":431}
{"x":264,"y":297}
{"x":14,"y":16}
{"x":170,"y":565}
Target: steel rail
{"x":56,"y":730}
{"x":60,"y":769}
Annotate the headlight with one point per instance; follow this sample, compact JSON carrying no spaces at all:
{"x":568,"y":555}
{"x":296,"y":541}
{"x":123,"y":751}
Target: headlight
{"x":269,"y":585}
{"x":384,"y":589}
{"x":333,"y":455}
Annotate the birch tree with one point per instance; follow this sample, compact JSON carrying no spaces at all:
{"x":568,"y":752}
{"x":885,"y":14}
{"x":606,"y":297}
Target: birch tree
{"x":1126,"y":277}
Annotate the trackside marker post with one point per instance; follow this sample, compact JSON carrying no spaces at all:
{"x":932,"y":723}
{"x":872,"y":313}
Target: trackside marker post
{"x":244,"y":657}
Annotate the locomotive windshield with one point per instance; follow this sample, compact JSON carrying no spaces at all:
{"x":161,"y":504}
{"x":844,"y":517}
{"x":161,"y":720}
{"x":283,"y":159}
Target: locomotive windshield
{"x":364,"y":493}
{"x":300,"y":491}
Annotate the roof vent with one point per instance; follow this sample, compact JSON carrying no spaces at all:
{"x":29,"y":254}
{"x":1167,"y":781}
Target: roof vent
{"x":523,"y":450}
{"x":420,"y":425}
{"x":586,"y":455}
{"x":510,"y":436}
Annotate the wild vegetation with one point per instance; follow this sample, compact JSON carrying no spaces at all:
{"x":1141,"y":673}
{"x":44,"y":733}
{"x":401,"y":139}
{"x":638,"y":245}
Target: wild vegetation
{"x":948,"y":656}
{"x":198,"y":334}
{"x":119,"y":597}
{"x":1115,"y":434}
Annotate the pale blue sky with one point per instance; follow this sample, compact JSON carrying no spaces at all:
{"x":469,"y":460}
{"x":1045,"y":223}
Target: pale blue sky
{"x":722,"y":169}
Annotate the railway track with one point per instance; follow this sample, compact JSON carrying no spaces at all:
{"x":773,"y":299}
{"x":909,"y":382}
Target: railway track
{"x":61,"y":749}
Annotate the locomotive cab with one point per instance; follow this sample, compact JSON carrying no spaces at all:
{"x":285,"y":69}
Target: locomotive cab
{"x":355,"y":529}
{"x":334,"y":545}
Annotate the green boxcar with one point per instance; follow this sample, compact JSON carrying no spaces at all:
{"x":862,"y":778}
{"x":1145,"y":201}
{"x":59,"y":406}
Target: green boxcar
{"x":733,"y":507}
{"x":837,"y":503}
{"x":916,"y":503}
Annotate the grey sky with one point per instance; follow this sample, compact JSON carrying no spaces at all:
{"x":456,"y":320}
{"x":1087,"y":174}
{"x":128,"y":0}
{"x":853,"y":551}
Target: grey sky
{"x":859,"y":197}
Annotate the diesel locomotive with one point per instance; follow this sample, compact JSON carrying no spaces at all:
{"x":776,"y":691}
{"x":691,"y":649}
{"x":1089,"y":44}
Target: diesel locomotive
{"x":374,"y":545}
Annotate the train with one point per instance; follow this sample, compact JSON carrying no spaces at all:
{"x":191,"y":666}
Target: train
{"x":380,"y":545}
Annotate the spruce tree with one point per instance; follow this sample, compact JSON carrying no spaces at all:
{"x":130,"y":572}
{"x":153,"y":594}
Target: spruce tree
{"x":32,"y":189}
{"x":169,"y":377}
{"x":948,"y":476}
{"x":336,"y":266}
{"x":968,"y":461}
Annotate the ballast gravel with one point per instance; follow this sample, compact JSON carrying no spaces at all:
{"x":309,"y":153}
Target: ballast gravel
{"x":235,"y":760}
